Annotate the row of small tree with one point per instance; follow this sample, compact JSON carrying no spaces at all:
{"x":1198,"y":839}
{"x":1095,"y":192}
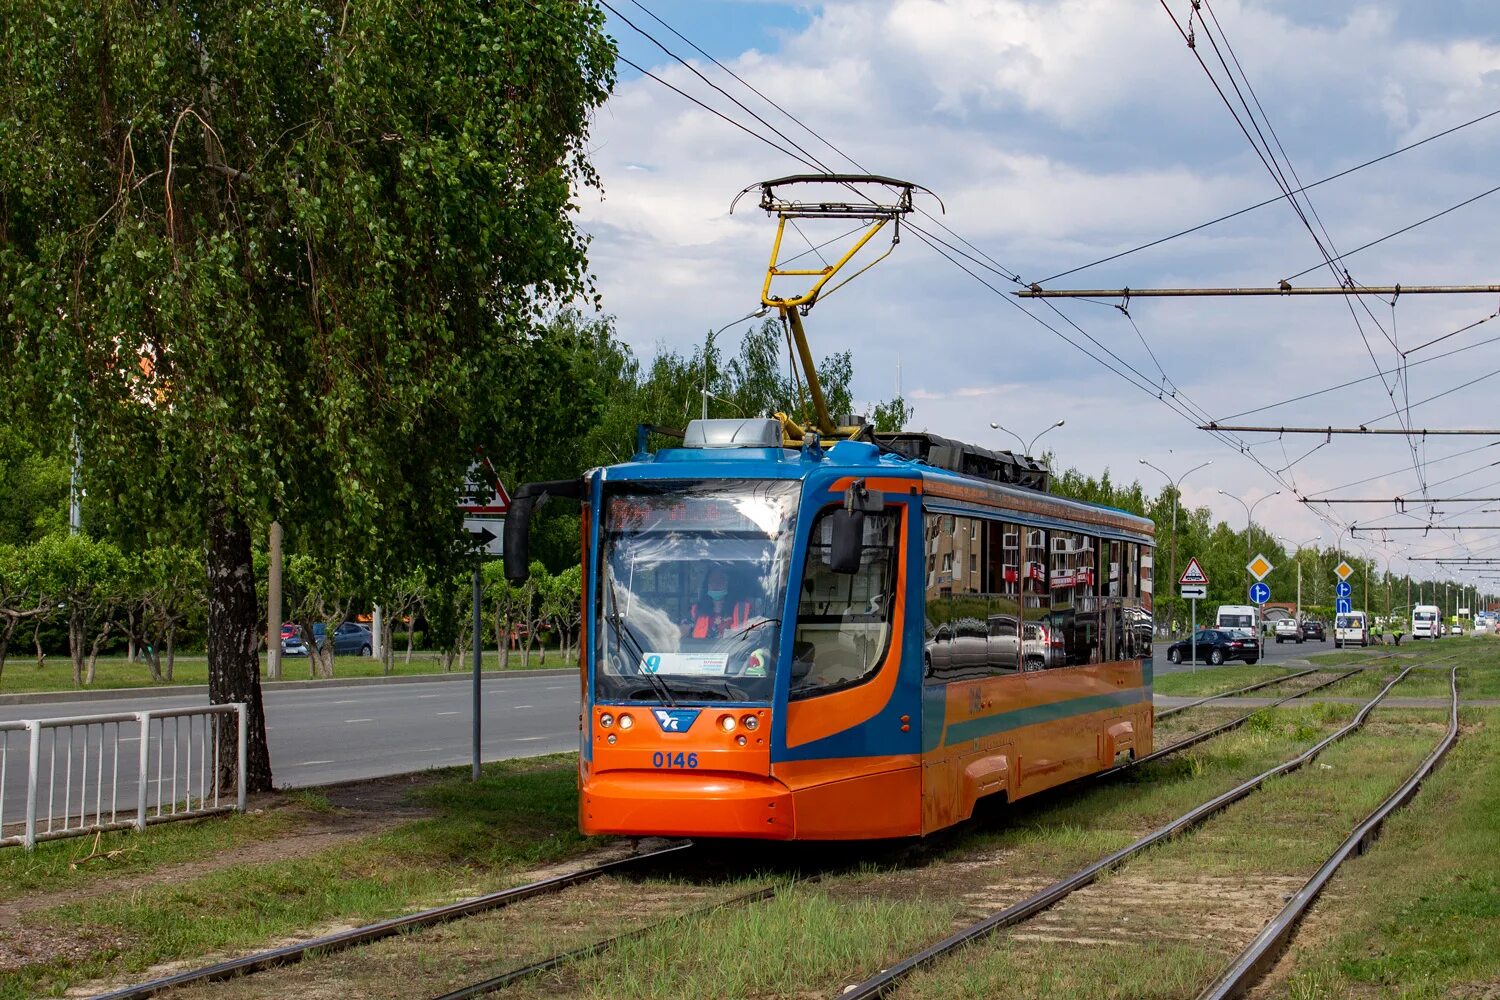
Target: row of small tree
{"x":100,"y":593}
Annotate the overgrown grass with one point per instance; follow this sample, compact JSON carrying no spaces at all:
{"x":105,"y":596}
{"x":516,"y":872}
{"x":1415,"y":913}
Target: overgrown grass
{"x":520,"y":814}
{"x":1215,"y":680}
{"x":1418,"y":914}
{"x":23,"y":676}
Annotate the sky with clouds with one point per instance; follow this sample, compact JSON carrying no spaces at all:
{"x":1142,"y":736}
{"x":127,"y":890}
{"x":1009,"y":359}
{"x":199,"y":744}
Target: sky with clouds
{"x":1060,"y":132}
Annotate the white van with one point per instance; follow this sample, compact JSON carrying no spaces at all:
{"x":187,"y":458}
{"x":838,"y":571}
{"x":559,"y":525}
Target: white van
{"x":1351,"y":629}
{"x":1426,"y":622}
{"x":1239,"y":618}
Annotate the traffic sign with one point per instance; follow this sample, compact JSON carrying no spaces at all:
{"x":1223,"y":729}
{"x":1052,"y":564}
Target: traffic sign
{"x":1344,"y":570}
{"x":486,"y":534}
{"x":483,"y":493}
{"x":1343,"y":589}
{"x":1260,"y":593}
{"x":1194,"y":592}
{"x":1194,"y":573}
{"x":1344,"y":606}
{"x":1259,"y":567}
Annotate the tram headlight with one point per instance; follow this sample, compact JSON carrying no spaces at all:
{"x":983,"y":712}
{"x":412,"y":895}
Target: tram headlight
{"x":606,"y":720}
{"x":626,"y":721}
{"x":727,"y":723}
{"x":750,"y":722}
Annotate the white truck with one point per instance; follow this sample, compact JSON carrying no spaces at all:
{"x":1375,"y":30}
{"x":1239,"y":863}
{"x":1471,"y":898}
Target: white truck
{"x":1426,"y":622}
{"x":1239,"y":618}
{"x":1351,"y":629}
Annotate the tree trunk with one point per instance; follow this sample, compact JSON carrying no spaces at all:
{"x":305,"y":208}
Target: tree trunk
{"x":9,"y":630}
{"x":36,"y":641}
{"x":75,"y":643}
{"x":93,"y":661}
{"x":171,"y":651}
{"x":11,"y":624}
{"x":411,"y":628}
{"x":233,"y":661}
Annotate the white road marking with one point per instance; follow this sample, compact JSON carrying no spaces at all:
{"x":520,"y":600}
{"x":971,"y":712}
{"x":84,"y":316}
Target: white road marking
{"x":447,"y":713}
{"x":346,"y":701}
{"x":421,"y":696}
{"x":137,"y":739}
{"x":529,"y":739}
{"x":310,"y":763}
{"x":429,"y":750}
{"x":560,"y":687}
{"x":346,"y":721}
{"x":519,"y":707}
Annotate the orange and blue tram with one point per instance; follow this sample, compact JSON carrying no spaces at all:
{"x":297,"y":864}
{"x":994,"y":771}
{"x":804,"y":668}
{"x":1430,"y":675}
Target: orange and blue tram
{"x":857,"y":641}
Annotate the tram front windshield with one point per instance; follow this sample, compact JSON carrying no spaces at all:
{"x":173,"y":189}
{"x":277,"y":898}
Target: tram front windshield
{"x":692,"y":584}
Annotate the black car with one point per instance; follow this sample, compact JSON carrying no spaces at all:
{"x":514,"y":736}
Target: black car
{"x":1312,"y":629}
{"x":1215,"y":647}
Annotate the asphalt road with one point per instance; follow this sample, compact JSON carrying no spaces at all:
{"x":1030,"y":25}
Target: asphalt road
{"x":322,"y":735}
{"x":1275,"y":654}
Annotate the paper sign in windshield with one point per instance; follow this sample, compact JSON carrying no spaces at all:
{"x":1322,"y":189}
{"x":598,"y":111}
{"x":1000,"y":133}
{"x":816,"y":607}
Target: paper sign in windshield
{"x":691,"y":664}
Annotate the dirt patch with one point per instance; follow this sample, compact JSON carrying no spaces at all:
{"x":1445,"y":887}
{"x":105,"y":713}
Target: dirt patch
{"x":23,"y":946}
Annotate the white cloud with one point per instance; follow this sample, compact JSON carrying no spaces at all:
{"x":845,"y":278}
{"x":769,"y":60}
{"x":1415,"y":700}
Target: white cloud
{"x":1058,"y":132}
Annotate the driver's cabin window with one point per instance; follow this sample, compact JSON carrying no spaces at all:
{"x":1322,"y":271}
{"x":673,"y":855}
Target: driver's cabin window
{"x":843,"y":619}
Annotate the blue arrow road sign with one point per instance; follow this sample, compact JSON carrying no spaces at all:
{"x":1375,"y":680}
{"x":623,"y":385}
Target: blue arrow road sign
{"x":1260,"y":593}
{"x":1343,"y":589}
{"x":1344,"y":606}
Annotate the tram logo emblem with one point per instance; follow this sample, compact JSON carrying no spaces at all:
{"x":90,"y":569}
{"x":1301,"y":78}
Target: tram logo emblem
{"x":675,"y":720}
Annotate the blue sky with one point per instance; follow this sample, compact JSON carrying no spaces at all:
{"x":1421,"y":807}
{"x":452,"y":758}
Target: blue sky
{"x":1056,"y":133}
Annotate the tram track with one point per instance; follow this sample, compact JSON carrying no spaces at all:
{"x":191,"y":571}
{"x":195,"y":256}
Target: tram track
{"x":495,"y":983}
{"x":1257,"y":957}
{"x":887,"y":980}
{"x":291,"y":954}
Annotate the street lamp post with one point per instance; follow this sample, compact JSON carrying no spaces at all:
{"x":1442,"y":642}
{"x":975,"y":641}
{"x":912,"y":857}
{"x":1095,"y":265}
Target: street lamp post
{"x":1249,"y":530}
{"x":1028,"y":445}
{"x":1176,"y":491}
{"x":1297,"y":557}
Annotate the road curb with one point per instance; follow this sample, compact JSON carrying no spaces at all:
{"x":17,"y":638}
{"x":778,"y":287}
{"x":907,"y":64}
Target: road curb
{"x":189,"y":690}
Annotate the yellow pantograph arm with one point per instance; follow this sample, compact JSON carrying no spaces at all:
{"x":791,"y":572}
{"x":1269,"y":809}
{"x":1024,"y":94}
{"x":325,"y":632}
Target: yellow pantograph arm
{"x":823,"y":274}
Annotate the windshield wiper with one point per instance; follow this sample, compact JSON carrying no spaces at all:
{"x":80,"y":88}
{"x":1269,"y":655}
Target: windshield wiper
{"x":623,"y":633}
{"x":745,"y":632}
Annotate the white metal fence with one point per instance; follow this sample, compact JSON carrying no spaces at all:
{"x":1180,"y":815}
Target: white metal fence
{"x":73,"y":776}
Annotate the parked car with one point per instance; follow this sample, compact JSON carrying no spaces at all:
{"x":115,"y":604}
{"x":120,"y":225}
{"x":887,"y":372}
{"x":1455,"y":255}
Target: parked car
{"x":350,"y":637}
{"x":1455,"y":630}
{"x":292,"y":645}
{"x":289,"y":629}
{"x":1289,"y":628}
{"x":1314,"y":629}
{"x":1215,"y":646}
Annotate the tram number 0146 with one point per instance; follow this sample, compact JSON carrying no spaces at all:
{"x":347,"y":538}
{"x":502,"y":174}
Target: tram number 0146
{"x":660,"y":759}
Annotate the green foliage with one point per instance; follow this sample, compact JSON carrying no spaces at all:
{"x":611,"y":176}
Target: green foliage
{"x":291,"y":258}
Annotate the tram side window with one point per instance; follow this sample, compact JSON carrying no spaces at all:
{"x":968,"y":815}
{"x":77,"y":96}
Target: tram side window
{"x":1038,"y":651}
{"x":972,"y":598}
{"x":843,"y":619}
{"x":1073,"y":621}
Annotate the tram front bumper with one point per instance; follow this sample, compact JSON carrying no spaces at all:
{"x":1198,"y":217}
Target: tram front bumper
{"x":685,"y":804}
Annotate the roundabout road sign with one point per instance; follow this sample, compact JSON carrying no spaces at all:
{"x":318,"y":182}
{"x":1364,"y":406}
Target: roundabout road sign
{"x":1260,"y":593}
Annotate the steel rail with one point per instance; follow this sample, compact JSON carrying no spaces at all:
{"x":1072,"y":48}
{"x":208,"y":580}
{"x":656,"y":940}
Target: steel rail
{"x":342,"y":940}
{"x":1222,"y":728}
{"x":886,"y":980}
{"x":1258,"y":956}
{"x":504,"y":979}
{"x":1237,"y":691}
